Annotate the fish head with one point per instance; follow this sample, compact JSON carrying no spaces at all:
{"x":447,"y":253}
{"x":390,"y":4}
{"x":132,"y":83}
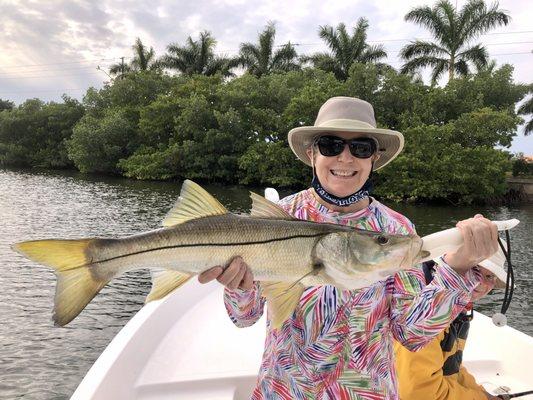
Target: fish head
{"x":356,"y":259}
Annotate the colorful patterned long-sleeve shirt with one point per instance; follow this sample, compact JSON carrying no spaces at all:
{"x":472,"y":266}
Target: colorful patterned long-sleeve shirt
{"x":338,"y":343}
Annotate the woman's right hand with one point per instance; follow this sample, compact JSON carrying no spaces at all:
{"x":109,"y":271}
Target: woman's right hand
{"x":480,"y":241}
{"x":236,"y":275}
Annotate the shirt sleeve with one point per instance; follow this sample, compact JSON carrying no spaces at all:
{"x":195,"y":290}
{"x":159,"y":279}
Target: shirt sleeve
{"x":418,"y":311}
{"x":467,"y":380}
{"x":420,"y":375}
{"x":244,"y":307}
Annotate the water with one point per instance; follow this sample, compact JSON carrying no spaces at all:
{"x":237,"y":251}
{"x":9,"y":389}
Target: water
{"x":40,"y":361}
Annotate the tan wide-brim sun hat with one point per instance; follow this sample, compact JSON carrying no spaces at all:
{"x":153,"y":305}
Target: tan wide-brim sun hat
{"x":495,"y":265}
{"x":346,"y":114}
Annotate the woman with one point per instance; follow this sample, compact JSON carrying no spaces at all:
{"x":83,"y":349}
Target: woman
{"x":338,"y":343}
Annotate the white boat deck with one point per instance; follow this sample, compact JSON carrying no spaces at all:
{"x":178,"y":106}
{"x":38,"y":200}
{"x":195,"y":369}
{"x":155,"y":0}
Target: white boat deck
{"x":186,"y":347}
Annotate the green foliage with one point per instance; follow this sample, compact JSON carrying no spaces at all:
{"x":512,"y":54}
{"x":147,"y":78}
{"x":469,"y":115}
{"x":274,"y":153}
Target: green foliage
{"x":435,"y":165}
{"x":304,"y":106}
{"x":521,"y":167}
{"x":34,"y":133}
{"x":273,"y":163}
{"x":6,"y":105}
{"x":527,"y":108}
{"x":149,"y":125}
{"x":149,"y":163}
{"x":98,"y":144}
{"x":485,"y":127}
{"x":157,"y":120}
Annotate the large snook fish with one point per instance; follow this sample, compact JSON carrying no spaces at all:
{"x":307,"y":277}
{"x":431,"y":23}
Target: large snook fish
{"x":285,"y":254}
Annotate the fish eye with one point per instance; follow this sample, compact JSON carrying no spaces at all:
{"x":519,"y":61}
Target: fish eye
{"x":382,"y":239}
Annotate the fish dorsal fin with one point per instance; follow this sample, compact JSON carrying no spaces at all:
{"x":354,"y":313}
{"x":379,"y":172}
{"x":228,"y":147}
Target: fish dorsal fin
{"x":165,"y":281}
{"x":282,"y":299}
{"x":263,"y":208}
{"x":194,"y":202}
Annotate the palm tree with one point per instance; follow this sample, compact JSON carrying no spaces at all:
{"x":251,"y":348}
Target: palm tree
{"x":143,"y":60}
{"x":453,"y":32}
{"x":260,"y":59}
{"x":197,"y":57}
{"x":346,"y":49}
{"x":525,"y":109}
{"x":490,"y":67}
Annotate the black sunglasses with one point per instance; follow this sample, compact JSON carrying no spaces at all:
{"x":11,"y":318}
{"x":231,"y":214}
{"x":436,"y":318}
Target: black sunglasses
{"x":330,"y":146}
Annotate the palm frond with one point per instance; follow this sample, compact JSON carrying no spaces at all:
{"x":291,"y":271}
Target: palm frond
{"x":372,"y":54}
{"x":527,"y":107}
{"x":329,"y":35}
{"x":477,"y":19}
{"x":439,"y":68}
{"x":422,"y":48}
{"x":428,"y":18}
{"x":490,"y":67}
{"x":249,"y":57}
{"x":285,"y":59}
{"x":448,"y":14}
{"x":205,"y":51}
{"x":346,"y":49}
{"x":477,"y":55}
{"x":221,"y":65}
{"x":461,"y":68}
{"x":143,"y":59}
{"x":266,"y":46}
{"x":422,"y":62}
{"x":358,"y":43}
{"x":119,"y":69}
{"x":195,"y":57}
{"x":529,"y":127}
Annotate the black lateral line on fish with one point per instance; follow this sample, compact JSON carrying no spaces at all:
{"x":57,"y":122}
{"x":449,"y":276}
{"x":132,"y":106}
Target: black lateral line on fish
{"x":205,"y":245}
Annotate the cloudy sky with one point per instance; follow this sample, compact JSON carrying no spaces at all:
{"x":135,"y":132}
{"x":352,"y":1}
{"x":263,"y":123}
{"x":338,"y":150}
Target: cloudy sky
{"x":50,"y":47}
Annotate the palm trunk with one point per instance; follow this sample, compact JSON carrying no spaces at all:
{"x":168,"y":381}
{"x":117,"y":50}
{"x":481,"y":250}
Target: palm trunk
{"x":451,"y":69}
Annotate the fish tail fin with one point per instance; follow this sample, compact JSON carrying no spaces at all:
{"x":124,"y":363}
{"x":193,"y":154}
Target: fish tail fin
{"x":76,"y":283}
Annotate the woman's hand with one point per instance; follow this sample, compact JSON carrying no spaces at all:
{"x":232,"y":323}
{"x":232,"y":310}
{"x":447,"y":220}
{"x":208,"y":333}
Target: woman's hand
{"x":480,"y":241}
{"x":236,"y":275}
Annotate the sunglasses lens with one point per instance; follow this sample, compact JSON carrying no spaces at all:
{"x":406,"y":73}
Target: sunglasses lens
{"x":362,"y":148}
{"x":330,"y":146}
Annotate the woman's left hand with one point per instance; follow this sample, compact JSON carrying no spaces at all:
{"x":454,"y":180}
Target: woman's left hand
{"x":480,"y":241}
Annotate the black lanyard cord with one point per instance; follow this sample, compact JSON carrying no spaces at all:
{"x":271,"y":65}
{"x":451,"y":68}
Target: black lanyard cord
{"x":509,"y":284}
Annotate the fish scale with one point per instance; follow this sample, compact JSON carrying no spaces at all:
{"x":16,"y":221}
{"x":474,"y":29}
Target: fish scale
{"x":272,"y":248}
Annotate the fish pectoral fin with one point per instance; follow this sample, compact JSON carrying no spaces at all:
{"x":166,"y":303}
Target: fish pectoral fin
{"x":194,"y":202}
{"x":165,"y":281}
{"x":282,"y":299}
{"x":263,"y":208}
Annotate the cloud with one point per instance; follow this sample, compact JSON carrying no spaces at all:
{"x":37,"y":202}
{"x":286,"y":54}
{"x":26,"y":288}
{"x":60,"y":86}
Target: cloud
{"x":64,"y":40}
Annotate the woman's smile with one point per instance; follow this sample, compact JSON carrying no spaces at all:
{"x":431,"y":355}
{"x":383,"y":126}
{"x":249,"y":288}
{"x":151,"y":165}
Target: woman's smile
{"x":342,"y":173}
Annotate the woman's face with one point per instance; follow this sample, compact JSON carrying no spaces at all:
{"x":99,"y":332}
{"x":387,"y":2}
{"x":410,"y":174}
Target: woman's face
{"x":344,"y":174}
{"x":488,"y":280}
